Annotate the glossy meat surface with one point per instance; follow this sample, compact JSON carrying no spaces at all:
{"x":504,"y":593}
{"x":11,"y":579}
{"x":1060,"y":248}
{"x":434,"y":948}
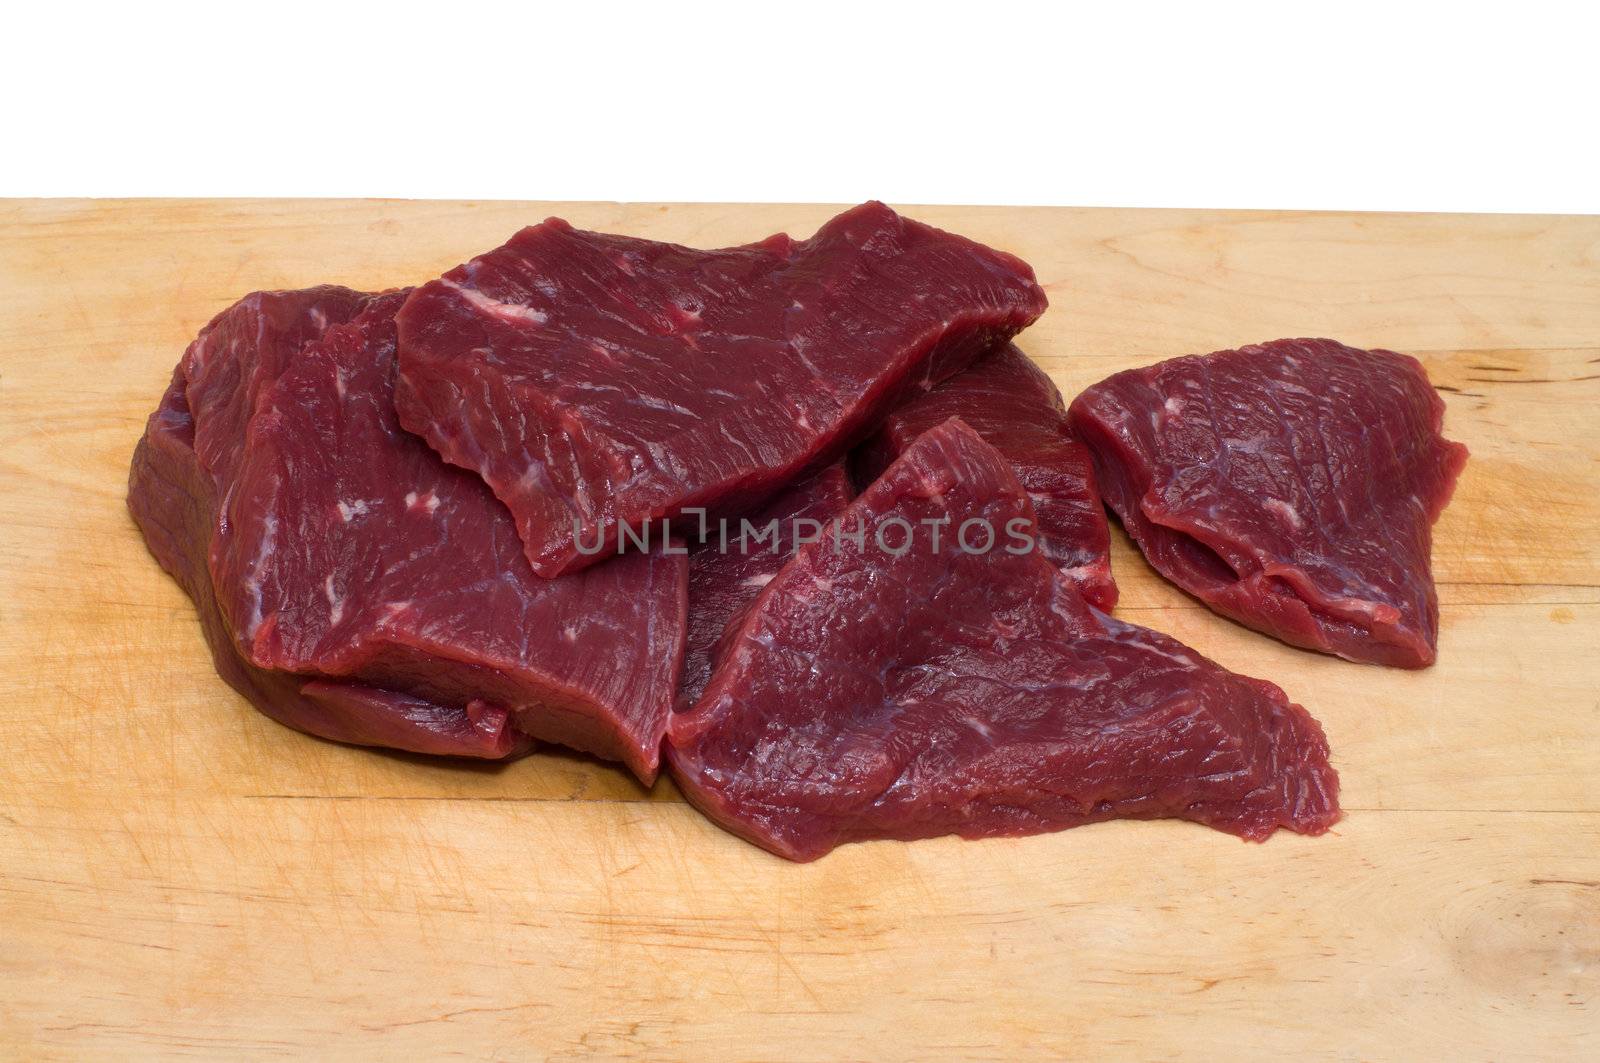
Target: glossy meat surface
{"x":729,"y":568}
{"x":911,"y":692}
{"x":1016,"y":408}
{"x":173,"y":501}
{"x":1290,"y":486}
{"x":343,"y":552}
{"x":601,"y":383}
{"x":241,"y":353}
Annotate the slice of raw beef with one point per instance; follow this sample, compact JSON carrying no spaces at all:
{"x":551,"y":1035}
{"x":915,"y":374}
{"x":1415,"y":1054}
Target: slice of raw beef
{"x":173,"y":501}
{"x":1016,"y":408}
{"x":739,"y":556}
{"x":350,"y":563}
{"x":895,"y":689}
{"x":600,"y":384}
{"x":1291,"y":486}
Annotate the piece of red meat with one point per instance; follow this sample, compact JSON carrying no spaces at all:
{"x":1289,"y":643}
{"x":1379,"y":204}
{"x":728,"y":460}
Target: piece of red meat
{"x":242,"y":352}
{"x":1290,"y":486}
{"x":348,"y":563}
{"x":173,"y":501}
{"x":895,"y":689}
{"x":601,"y":384}
{"x":739,"y":557}
{"x":1016,"y":408}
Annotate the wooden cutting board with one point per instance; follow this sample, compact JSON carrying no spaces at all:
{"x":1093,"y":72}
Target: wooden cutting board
{"x":181,"y":877}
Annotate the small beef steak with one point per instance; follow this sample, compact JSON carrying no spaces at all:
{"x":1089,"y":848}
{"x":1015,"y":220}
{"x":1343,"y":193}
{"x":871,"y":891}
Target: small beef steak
{"x":735,"y":561}
{"x":894,"y":689}
{"x":1016,"y":408}
{"x":601,"y":384}
{"x":173,"y":501}
{"x":1290,"y":486}
{"x":347,"y":554}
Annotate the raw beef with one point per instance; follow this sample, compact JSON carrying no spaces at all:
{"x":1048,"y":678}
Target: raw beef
{"x":739,"y":557}
{"x":895,"y":689}
{"x":173,"y":500}
{"x":601,"y":384}
{"x":1290,"y":486}
{"x":343,"y":553}
{"x":241,"y":354}
{"x":1016,"y":408}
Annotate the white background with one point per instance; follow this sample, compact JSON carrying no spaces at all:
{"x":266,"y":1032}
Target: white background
{"x":1343,"y":105}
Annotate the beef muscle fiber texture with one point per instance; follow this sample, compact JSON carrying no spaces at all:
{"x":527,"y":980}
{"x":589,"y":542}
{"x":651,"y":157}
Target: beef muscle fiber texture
{"x":173,"y":501}
{"x":922,"y":690}
{"x":1291,"y":486}
{"x":1016,"y":408}
{"x":342,"y":552}
{"x":602,"y":383}
{"x":733,"y":562}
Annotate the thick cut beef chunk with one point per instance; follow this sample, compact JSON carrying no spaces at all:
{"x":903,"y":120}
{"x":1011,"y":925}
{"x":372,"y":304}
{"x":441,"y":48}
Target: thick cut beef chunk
{"x":174,"y":503}
{"x":1291,"y":486}
{"x":602,"y":383}
{"x":892,"y":688}
{"x":736,"y":559}
{"x":1016,"y":408}
{"x":352,"y":567}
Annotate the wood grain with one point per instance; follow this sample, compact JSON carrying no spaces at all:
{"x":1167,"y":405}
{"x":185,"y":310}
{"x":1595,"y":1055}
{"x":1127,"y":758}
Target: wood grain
{"x":181,"y":877}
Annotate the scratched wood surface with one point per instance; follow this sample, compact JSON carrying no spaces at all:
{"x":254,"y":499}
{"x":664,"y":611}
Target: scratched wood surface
{"x":181,"y":877}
